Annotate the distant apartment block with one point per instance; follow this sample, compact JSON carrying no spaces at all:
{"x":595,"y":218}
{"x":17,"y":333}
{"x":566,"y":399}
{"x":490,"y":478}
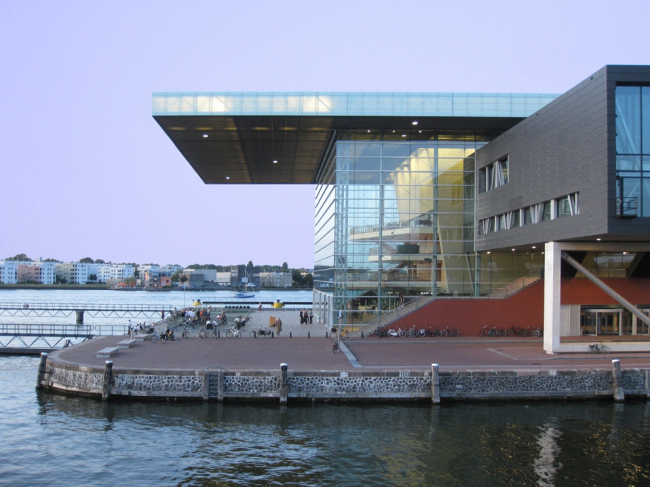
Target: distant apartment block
{"x":276,"y":279}
{"x":15,"y":272}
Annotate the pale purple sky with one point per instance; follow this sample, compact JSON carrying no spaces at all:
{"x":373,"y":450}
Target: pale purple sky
{"x":86,"y":171}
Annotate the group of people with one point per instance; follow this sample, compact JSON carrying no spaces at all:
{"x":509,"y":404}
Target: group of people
{"x":140,"y":327}
{"x":306,"y":317}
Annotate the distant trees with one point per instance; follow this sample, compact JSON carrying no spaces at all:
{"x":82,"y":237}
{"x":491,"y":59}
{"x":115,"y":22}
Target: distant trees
{"x":299,"y":280}
{"x":86,"y":260}
{"x":20,"y":257}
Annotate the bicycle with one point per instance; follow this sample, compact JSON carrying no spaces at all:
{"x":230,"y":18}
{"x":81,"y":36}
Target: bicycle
{"x":343,"y":335}
{"x":154,"y":338}
{"x":538,"y":332}
{"x":438,"y":333}
{"x":492,"y":331}
{"x":416,"y":332}
{"x":396,"y":333}
{"x":452,"y":332}
{"x":186,"y":333}
{"x":233,"y":333}
{"x":598,"y":348}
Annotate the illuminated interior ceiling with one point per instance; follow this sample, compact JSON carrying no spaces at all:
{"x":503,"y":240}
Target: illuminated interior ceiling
{"x":271,"y":138}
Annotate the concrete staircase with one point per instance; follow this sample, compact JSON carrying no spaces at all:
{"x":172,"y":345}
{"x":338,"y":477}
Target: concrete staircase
{"x":515,"y":287}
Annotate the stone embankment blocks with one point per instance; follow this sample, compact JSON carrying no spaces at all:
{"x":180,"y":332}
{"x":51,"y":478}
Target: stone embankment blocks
{"x":284,"y":385}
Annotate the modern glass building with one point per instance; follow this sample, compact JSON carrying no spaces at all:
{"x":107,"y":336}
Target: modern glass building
{"x":450,"y":195}
{"x":395,"y":177}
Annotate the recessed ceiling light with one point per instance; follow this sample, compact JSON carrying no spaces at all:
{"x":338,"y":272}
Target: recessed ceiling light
{"x":403,"y":135}
{"x":624,"y":253}
{"x":513,"y":250}
{"x":227,"y":177}
{"x":598,"y":239}
{"x":275,"y":161}
{"x":534,"y":246}
{"x":415,"y":122}
{"x":205,"y":136}
{"x":419,"y":131}
{"x":368,"y":131}
{"x":489,"y":253}
{"x":393,"y":131}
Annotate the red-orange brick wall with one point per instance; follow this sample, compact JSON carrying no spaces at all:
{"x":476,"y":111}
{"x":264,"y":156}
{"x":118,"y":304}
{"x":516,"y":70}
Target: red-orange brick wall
{"x":525,"y":308}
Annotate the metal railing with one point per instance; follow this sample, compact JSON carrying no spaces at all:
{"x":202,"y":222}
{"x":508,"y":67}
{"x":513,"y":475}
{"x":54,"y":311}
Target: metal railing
{"x":54,"y":330}
{"x":84,"y":306}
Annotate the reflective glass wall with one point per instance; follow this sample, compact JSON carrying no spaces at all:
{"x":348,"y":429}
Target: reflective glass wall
{"x":633,"y":151}
{"x":395,"y":220}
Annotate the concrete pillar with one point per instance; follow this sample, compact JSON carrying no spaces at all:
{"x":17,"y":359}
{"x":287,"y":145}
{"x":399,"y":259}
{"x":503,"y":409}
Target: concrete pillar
{"x":41,"y":370}
{"x":619,"y":393}
{"x":435,"y":384}
{"x":220,"y":386}
{"x":284,"y":385}
{"x":108,"y":380}
{"x":80,"y":316}
{"x":552,"y":309}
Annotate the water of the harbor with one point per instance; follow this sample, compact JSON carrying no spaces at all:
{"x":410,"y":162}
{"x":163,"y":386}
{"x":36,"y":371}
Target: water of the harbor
{"x":49,"y":439}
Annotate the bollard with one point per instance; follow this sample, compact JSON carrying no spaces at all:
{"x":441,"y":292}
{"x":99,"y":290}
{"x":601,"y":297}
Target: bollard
{"x":272,"y":334}
{"x":283,"y":383}
{"x":218,"y":334}
{"x":290,"y":334}
{"x":80,"y":316}
{"x":41,"y":370}
{"x":435,"y":384}
{"x":619,"y":393}
{"x":309,"y":334}
{"x":206,"y":386}
{"x":108,"y":380}
{"x":362,"y":335}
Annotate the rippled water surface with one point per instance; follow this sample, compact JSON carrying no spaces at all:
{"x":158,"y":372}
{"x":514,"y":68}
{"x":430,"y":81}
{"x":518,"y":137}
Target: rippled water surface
{"x":49,"y":439}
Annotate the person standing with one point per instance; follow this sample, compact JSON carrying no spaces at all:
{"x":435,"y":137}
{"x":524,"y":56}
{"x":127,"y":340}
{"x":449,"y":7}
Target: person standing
{"x":311,"y":317}
{"x":278,"y":326}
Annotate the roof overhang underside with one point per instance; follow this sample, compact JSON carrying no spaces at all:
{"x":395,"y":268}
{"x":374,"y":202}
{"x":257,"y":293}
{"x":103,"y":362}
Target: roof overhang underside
{"x":242,"y":149}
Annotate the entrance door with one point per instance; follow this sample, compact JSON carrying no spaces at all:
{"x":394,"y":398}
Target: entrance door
{"x":600,"y":322}
{"x":609,"y":322}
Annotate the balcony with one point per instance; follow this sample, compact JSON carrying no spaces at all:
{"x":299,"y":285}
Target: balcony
{"x":627,"y":207}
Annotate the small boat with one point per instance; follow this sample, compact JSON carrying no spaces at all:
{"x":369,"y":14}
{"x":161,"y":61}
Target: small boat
{"x":245,"y":293}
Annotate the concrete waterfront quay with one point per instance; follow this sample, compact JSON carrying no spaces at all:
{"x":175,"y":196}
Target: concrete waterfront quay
{"x":431,"y":369}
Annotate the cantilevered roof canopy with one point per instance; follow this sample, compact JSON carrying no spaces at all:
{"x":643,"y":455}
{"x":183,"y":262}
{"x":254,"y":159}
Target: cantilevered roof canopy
{"x":236,"y":137}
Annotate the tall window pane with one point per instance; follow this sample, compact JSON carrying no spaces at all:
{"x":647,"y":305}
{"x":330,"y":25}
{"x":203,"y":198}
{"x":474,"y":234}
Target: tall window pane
{"x":628,"y":119}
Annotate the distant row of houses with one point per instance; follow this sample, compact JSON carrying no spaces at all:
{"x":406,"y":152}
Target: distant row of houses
{"x":148,"y":275}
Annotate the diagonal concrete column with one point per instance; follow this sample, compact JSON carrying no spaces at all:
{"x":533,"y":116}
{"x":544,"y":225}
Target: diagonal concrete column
{"x":552,"y":309}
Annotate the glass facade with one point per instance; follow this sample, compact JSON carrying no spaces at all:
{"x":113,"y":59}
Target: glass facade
{"x":395,"y":220}
{"x":350,"y":104}
{"x":633,"y":151}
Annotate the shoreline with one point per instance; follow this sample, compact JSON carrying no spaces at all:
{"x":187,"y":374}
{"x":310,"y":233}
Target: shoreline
{"x":302,"y":369}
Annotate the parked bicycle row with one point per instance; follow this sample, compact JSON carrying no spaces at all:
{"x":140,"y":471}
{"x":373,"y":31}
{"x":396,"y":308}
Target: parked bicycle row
{"x":494,"y":331}
{"x":415,"y":332}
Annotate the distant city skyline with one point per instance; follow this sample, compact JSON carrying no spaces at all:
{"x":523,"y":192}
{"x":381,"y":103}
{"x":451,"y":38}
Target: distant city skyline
{"x":256,"y":264}
{"x":87,"y":170}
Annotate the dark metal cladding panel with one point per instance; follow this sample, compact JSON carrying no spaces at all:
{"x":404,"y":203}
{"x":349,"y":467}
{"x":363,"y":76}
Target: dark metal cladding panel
{"x":566,"y":147}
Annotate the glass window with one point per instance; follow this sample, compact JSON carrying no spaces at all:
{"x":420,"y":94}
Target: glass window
{"x":628,"y":163}
{"x":628,"y":119}
{"x":547,"y":211}
{"x":645,"y":115}
{"x":563,"y":207}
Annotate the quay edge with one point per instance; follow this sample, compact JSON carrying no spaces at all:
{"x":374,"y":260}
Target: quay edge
{"x":111,"y":383}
